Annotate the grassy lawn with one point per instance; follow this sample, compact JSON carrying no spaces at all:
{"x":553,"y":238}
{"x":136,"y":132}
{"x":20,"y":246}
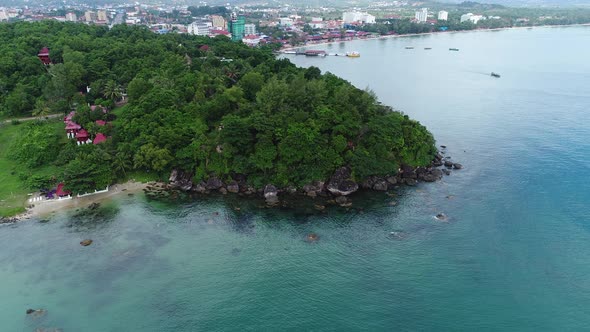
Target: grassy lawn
{"x":13,"y":193}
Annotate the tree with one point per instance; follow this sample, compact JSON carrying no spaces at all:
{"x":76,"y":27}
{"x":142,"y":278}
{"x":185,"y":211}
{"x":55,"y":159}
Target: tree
{"x":112,"y":90}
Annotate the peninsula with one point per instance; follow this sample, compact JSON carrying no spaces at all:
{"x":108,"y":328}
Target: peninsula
{"x":138,"y":104}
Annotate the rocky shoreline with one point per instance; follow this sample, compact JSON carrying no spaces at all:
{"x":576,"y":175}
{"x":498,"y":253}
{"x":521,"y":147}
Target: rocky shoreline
{"x":337,"y":188}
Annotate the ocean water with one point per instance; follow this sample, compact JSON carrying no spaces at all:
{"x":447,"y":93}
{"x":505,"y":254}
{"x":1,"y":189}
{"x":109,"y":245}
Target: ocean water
{"x":514,"y":254}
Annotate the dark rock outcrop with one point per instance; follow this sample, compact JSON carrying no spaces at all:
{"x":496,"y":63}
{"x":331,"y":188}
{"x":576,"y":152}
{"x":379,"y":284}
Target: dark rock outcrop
{"x":340,"y":183}
{"x":233,"y":187}
{"x":457,"y":166}
{"x":213,"y":183}
{"x":380,"y":185}
{"x":271,"y":194}
{"x":181,"y":180}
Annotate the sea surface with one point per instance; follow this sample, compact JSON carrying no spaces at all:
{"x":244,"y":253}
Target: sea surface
{"x":514,"y":254}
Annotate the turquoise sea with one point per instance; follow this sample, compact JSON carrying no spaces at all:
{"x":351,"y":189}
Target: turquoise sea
{"x":514,"y":254}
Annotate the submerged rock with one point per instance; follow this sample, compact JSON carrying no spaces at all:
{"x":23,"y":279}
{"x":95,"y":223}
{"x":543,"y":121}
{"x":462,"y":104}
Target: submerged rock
{"x":312,"y":237}
{"x":457,"y":166}
{"x":441,"y":216}
{"x":86,"y":243}
{"x":271,"y":194}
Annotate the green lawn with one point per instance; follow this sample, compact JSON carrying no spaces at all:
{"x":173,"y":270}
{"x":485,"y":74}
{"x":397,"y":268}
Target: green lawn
{"x":13,"y":194}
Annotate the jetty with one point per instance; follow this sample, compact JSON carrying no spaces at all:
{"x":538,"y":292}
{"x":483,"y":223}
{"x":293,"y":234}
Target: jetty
{"x":321,"y":53}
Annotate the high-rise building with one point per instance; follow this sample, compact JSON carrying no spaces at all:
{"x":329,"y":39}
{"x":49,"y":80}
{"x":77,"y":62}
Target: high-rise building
{"x":3,"y":15}
{"x":102,"y":15}
{"x":443,"y":15}
{"x":71,"y":17}
{"x":249,"y":29}
{"x":236,"y":27}
{"x":422,"y":15}
{"x":218,"y":22}
{"x":90,"y":16}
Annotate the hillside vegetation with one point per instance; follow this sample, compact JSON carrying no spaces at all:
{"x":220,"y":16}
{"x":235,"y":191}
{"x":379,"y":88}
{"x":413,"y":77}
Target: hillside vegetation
{"x":204,"y":106}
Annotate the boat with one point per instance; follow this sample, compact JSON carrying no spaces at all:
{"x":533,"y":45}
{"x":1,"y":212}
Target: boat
{"x":495,"y":75}
{"x":453,"y":49}
{"x":427,"y":48}
{"x":409,"y":47}
{"x":353,"y":54}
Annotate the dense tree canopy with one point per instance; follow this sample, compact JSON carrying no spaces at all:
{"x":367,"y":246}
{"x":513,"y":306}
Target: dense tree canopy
{"x":224,"y":109}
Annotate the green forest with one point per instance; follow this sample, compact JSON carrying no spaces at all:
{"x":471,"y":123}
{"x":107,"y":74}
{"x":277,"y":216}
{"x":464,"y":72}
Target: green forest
{"x":205,"y":106}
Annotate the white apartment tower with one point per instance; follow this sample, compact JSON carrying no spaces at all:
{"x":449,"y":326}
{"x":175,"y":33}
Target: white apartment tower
{"x":249,"y":29}
{"x":71,"y":17}
{"x":443,"y":15}
{"x":422,"y":15}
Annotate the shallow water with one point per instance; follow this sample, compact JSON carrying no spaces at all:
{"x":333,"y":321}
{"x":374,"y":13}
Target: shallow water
{"x":513,"y":254}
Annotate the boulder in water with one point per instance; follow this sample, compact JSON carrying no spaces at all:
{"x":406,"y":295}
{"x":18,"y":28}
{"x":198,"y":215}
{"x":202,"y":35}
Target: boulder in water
{"x":312,"y":237}
{"x":86,"y":243}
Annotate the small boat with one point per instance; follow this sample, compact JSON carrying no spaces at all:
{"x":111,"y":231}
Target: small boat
{"x":453,"y":49}
{"x":427,"y":48}
{"x":409,"y":47}
{"x":495,"y":75}
{"x":353,"y":54}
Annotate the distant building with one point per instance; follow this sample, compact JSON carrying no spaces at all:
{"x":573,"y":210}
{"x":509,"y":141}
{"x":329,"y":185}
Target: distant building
{"x":90,"y":16}
{"x":71,"y":17}
{"x":443,"y":15}
{"x":285,"y":21}
{"x":317,"y":23}
{"x":199,"y":28}
{"x":422,"y":15}
{"x":236,"y":27}
{"x":3,"y":15}
{"x":219,"y":22}
{"x":251,"y":40}
{"x":357,"y":17}
{"x":249,"y":29}
{"x":102,"y":15}
{"x":471,"y":17}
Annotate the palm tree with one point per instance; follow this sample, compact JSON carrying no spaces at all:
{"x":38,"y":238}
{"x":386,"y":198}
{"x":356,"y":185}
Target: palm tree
{"x":41,"y":109}
{"x":121,"y":162}
{"x":112,"y":90}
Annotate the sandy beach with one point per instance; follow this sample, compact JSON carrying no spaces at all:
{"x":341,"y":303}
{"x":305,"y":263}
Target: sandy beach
{"x":44,"y":208}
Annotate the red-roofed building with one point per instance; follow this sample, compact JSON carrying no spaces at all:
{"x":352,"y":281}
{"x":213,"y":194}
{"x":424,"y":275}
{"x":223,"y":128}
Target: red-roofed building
{"x":100,"y":137}
{"x":72,"y":128}
{"x":95,"y":107}
{"x":82,"y":137}
{"x":217,"y":32}
{"x":44,"y":56}
{"x":251,"y":40}
{"x":60,"y":192}
{"x":100,"y":122}
{"x":69,"y":117}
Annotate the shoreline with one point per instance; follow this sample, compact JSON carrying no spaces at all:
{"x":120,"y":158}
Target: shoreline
{"x":44,"y":208}
{"x":291,"y":48}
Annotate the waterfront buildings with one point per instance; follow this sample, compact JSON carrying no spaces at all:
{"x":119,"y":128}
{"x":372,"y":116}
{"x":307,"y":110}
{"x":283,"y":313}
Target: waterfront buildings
{"x":443,"y":15}
{"x":101,"y":15}
{"x":90,"y":16}
{"x":422,"y":15}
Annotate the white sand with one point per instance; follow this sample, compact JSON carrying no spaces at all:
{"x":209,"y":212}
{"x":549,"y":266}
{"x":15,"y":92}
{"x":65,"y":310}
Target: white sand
{"x":44,"y":208}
